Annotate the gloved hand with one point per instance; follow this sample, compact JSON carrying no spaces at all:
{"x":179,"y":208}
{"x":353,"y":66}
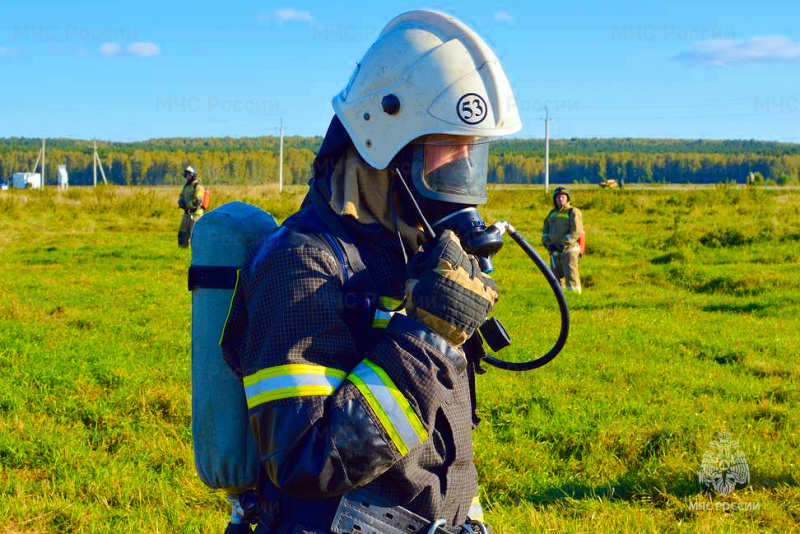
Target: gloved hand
{"x":446,"y":290}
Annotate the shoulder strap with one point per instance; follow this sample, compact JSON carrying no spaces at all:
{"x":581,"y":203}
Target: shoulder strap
{"x":360,"y":293}
{"x":334,"y":224}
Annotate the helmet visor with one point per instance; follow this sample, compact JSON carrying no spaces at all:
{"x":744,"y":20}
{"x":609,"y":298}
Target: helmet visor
{"x":452,"y":168}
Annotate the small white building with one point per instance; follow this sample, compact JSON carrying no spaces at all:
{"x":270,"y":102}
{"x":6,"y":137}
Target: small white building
{"x":62,"y":178}
{"x":26,"y":180}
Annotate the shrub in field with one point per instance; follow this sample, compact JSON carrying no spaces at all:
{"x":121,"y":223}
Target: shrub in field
{"x":682,"y":255}
{"x":734,"y":236}
{"x":9,"y":205}
{"x":725,"y":237}
{"x":687,"y":276}
{"x":280,"y":205}
{"x":143,"y":204}
{"x":76,"y":193}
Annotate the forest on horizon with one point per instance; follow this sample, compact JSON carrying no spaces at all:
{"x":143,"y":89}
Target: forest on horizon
{"x":254,"y":160}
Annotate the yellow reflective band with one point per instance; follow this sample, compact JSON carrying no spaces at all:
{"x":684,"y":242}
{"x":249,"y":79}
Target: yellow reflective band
{"x":380,"y":413}
{"x":381,"y":319}
{"x":230,"y":307}
{"x":416,"y":424}
{"x":389,"y":302}
{"x":290,"y":380}
{"x":389,"y":406}
{"x":379,"y":322}
{"x":561,"y":216}
{"x":292,"y":369}
{"x":289,"y":392}
{"x":475,"y":509}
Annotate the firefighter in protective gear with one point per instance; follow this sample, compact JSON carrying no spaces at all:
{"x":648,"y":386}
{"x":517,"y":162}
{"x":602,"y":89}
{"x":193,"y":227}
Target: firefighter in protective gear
{"x":562,"y":228}
{"x":354,"y":337}
{"x":190,"y":201}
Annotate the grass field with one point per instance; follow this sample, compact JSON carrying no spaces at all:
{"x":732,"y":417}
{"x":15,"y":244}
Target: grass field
{"x":689,"y":325}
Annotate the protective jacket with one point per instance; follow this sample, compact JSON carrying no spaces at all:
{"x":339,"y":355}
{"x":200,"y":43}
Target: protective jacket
{"x":562,"y":227}
{"x":342,"y":393}
{"x":191,"y":197}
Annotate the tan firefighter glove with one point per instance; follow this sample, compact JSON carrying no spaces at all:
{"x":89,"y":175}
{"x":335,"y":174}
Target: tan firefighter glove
{"x":446,"y":290}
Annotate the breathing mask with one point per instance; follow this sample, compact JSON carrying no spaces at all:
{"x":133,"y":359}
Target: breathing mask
{"x":448,"y":176}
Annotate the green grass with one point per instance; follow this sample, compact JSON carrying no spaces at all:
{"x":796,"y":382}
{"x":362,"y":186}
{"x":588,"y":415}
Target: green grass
{"x":688,"y":325}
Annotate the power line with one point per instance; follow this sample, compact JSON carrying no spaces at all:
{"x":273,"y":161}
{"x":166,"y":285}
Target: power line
{"x":662,"y":117}
{"x":715,"y":104}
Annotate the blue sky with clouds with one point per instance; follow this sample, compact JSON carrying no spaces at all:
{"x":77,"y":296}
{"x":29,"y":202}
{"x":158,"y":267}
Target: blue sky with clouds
{"x":136,"y":70}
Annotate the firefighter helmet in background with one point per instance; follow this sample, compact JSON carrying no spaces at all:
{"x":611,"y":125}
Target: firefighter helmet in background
{"x":427,"y":73}
{"x":561,"y":191}
{"x":189,"y":171}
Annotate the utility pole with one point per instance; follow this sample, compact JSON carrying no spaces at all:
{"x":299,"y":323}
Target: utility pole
{"x":280,"y":171}
{"x":95,"y":162}
{"x":547,"y":120}
{"x":44,"y":179}
{"x":40,"y":157}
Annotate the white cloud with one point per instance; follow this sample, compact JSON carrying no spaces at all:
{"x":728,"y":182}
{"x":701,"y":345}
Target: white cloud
{"x":134,"y":49}
{"x":110,"y":49}
{"x":290,"y":14}
{"x":503,"y":16}
{"x":763,"y":49}
{"x":11,"y":52}
{"x":144,"y":49}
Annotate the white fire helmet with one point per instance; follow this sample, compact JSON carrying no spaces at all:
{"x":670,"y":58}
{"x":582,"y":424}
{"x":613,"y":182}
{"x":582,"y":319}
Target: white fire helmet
{"x":431,"y":82}
{"x":427,"y":73}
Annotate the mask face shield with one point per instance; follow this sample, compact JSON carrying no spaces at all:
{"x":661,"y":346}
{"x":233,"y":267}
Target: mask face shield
{"x":451,"y":168}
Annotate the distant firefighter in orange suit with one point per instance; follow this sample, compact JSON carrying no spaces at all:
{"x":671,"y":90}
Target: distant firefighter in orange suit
{"x":191,"y":202}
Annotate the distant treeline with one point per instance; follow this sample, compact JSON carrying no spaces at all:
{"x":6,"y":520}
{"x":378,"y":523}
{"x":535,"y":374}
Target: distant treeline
{"x":254,"y":160}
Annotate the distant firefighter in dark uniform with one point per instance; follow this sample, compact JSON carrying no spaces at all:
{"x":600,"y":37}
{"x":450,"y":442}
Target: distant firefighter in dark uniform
{"x":191,"y":202}
{"x":563,"y":226}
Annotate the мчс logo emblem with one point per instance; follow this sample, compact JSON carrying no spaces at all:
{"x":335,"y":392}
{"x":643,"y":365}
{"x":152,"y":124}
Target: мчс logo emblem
{"x":724,"y":466}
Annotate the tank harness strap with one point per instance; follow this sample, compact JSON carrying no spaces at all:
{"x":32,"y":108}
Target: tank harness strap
{"x":212,"y":277}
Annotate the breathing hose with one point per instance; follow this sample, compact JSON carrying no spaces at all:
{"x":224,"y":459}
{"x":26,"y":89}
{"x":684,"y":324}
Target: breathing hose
{"x":492,"y":330}
{"x":505,"y":226}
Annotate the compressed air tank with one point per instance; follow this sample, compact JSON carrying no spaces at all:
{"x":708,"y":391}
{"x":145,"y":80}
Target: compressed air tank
{"x":225,"y":451}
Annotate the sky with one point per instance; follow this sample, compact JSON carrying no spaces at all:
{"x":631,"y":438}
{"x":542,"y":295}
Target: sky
{"x":127,"y":71}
